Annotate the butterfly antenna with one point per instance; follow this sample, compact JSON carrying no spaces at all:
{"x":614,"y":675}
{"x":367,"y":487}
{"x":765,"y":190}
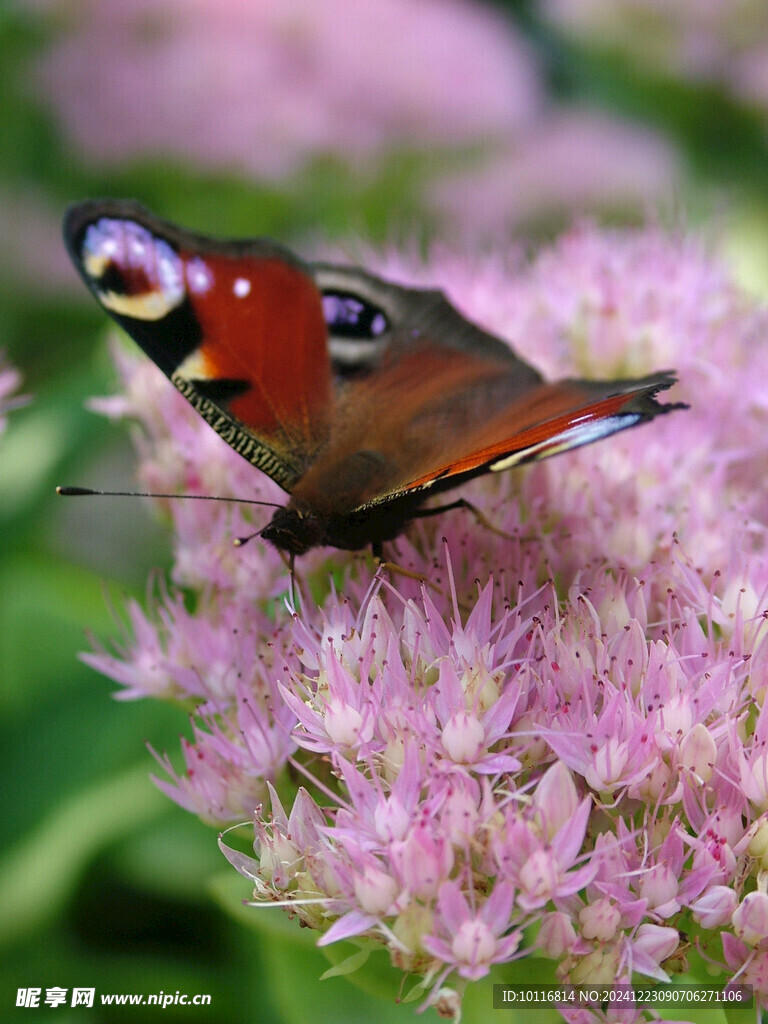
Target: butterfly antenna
{"x":240,"y":542}
{"x":80,"y":492}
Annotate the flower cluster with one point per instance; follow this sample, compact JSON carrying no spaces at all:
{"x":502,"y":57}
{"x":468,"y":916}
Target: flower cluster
{"x":557,"y":745}
{"x":266,"y":88}
{"x":613,"y":166}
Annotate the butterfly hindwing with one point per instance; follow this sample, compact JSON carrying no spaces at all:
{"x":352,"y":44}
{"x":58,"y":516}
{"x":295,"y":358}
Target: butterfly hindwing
{"x":365,"y":315}
{"x":553,"y":418}
{"x":466,"y":403}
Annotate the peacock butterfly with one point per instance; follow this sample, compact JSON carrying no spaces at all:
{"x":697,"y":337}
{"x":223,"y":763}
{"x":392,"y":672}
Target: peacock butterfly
{"x":359,"y":397}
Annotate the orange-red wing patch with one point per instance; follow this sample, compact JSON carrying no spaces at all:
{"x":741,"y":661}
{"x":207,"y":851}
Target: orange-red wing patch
{"x":549,"y":419}
{"x":262,"y":322}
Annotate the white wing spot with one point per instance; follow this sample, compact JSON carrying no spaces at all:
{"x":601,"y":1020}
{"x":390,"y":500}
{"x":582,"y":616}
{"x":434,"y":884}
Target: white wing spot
{"x":199,"y":276}
{"x":241,"y":287}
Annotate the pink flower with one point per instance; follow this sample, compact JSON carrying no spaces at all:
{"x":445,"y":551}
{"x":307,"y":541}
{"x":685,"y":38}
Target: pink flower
{"x":557,"y":934}
{"x":612,"y":166}
{"x":651,"y":945}
{"x":474,"y":939}
{"x":748,"y":965}
{"x":715,"y":907}
{"x":600,"y":920}
{"x":539,"y":859}
{"x":423,"y":859}
{"x":750,"y":919}
{"x":10,"y":379}
{"x":274,"y":87}
{"x":264,"y":87}
{"x":554,"y":744}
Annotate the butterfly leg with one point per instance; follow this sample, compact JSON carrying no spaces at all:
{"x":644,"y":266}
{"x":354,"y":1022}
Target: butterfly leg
{"x":384,"y":565}
{"x":482,"y":519}
{"x":299,"y":592}
{"x":399,"y":570}
{"x":292,"y":573}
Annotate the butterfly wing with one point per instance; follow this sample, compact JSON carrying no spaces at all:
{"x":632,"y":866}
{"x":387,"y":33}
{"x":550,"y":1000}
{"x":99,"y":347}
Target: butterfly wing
{"x":369,"y":318}
{"x":258,"y":341}
{"x":549,"y":419}
{"x":433,"y":400}
{"x":354,"y":394}
{"x":237,"y":326}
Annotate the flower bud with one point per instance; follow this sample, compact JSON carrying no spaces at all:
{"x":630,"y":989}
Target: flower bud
{"x":375,"y":890}
{"x":596,"y":968}
{"x":750,"y":918}
{"x":715,"y":907}
{"x":463,"y":737}
{"x":758,"y":846}
{"x":698,"y":752}
{"x":599,"y":920}
{"x":556,"y":935}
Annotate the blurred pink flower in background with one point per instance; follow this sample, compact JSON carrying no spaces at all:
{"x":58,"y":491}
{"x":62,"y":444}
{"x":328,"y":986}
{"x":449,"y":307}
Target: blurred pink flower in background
{"x":553,"y":746}
{"x":572,"y":160}
{"x":10,"y":379}
{"x":704,"y":41}
{"x":262,"y":86}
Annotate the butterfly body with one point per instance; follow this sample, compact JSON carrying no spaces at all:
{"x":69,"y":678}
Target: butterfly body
{"x":360,"y":397}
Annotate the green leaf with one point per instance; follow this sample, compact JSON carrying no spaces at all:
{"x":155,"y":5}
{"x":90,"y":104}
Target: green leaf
{"x":352,"y":963}
{"x":38,"y":874}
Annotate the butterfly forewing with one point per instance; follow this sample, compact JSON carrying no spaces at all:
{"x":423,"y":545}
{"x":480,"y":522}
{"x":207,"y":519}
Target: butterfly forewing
{"x":238,"y":327}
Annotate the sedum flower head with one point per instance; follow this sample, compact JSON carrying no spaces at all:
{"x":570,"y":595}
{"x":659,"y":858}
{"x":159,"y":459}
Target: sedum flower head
{"x":555,"y":746}
{"x":273,"y":88}
{"x":264,"y":87}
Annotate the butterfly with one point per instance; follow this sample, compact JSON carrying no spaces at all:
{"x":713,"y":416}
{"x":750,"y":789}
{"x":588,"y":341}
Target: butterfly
{"x":361,"y":398}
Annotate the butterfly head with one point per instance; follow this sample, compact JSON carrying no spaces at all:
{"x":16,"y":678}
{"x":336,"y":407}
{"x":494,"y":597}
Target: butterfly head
{"x":295,"y":531}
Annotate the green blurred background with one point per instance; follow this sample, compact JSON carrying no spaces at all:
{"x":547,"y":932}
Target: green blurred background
{"x":406,"y":123}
